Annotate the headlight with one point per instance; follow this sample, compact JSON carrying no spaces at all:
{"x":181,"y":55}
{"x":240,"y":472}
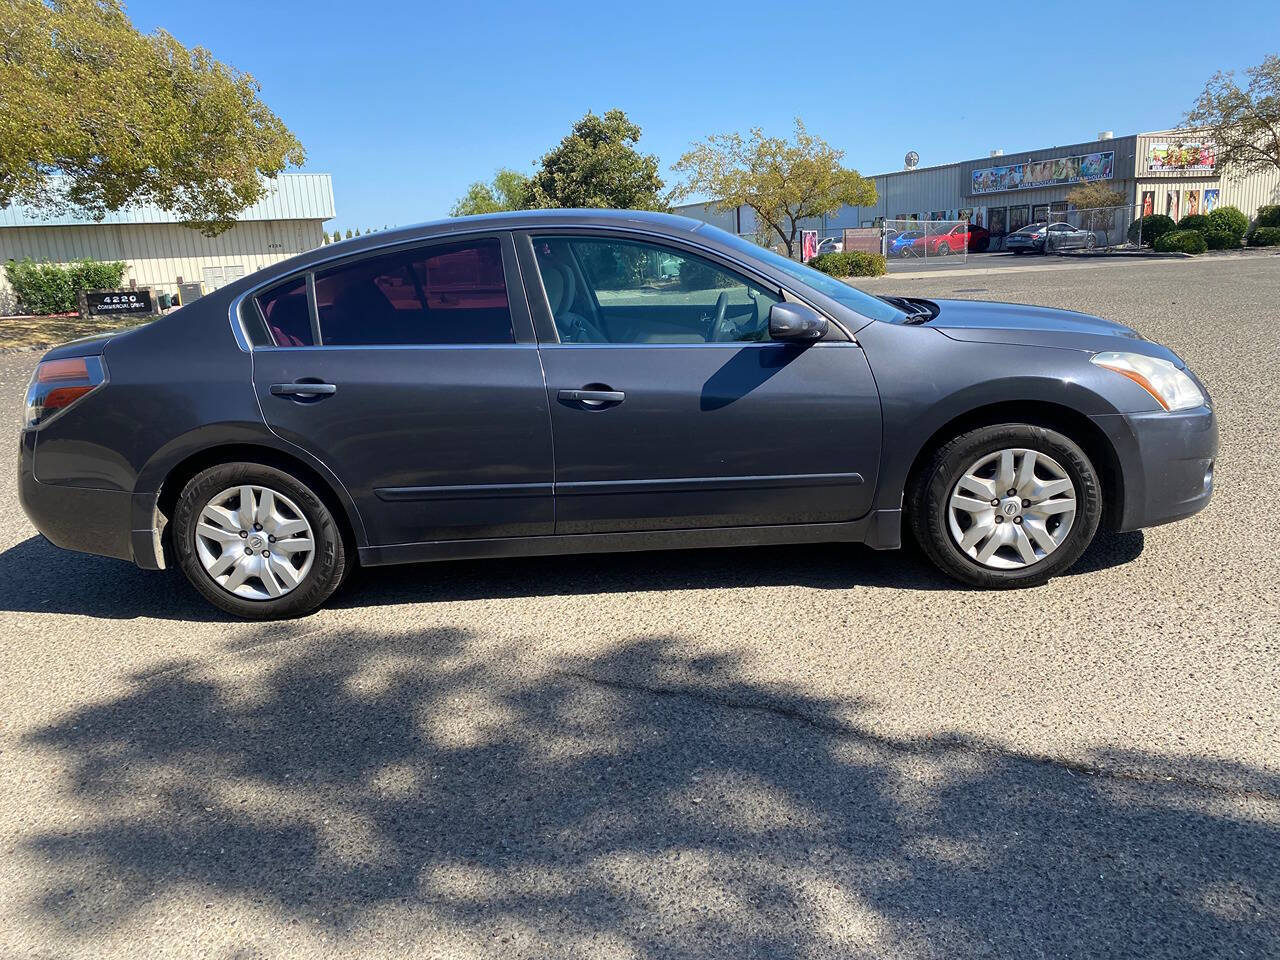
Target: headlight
{"x":1171,"y":387}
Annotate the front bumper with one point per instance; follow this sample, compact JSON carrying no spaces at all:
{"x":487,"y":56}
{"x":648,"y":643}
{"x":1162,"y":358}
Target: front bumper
{"x":1166,"y":463}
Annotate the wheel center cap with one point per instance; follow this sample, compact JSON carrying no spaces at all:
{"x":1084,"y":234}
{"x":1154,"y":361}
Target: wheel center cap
{"x":1011,"y":507}
{"x":255,"y":543}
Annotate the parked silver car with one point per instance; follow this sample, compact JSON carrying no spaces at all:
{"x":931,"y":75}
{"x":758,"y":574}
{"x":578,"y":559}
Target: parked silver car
{"x":1039,"y":238}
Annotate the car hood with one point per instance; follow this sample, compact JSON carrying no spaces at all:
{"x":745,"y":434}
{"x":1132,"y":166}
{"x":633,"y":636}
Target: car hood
{"x":978,"y":321}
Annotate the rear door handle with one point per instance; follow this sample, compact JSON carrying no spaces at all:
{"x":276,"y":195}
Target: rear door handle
{"x":592,"y":398}
{"x":303,"y":389}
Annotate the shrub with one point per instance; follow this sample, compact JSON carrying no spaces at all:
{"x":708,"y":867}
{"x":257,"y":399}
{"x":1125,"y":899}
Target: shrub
{"x":1194,"y":221}
{"x":1268,"y":216}
{"x":1265,"y":237}
{"x":44,"y":288}
{"x":1181,"y":241}
{"x":852,"y":263}
{"x":1221,"y":239}
{"x":1231,"y":220}
{"x":1151,"y":228}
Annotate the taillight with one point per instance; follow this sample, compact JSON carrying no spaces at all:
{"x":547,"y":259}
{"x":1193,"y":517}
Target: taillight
{"x":57,"y":384}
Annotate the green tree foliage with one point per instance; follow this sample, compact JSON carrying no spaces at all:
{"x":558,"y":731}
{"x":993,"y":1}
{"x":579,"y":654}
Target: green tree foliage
{"x":598,"y":165}
{"x":1265,"y":237}
{"x":336,"y":236}
{"x":1244,"y":123}
{"x":783,"y":181}
{"x":1150,"y":228}
{"x":94,"y":115}
{"x":1095,"y":196}
{"x":509,"y":190}
{"x":45,"y":288}
{"x":348,"y":233}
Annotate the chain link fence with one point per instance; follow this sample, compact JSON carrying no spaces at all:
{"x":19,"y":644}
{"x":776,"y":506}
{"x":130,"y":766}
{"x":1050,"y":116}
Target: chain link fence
{"x":931,"y":239}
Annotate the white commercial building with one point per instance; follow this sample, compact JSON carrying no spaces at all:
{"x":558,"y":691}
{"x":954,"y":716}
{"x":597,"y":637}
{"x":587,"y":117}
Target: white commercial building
{"x":159,"y":252}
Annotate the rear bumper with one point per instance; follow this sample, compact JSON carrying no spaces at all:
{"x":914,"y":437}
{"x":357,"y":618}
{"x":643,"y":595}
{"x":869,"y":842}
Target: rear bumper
{"x":1167,"y":463}
{"x":85,"y":519}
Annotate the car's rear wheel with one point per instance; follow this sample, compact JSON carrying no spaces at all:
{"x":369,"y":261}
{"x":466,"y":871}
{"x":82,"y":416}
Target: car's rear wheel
{"x":257,"y":542}
{"x":1006,"y":505}
{"x":941,"y":250}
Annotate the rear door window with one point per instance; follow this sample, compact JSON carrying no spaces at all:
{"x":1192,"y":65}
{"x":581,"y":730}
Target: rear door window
{"x":287,"y":314}
{"x":453,"y":293}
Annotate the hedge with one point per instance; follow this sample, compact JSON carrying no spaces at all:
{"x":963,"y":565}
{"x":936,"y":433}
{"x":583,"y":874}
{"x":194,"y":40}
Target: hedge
{"x":1230,"y":219}
{"x":1151,"y":228}
{"x":853,"y":263}
{"x":1268,"y":216}
{"x":44,"y":288}
{"x":1265,"y":237}
{"x":1194,"y":221}
{"x":1221,"y":239}
{"x":1181,"y":241}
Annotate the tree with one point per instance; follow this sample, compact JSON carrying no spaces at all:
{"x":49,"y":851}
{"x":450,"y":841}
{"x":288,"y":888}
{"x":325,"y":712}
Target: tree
{"x":348,"y":233}
{"x":357,"y":231}
{"x":783,"y":181}
{"x":94,"y":115}
{"x":336,"y":236}
{"x":1243,"y":124}
{"x":1095,"y":196}
{"x":597,"y":165}
{"x":1101,"y":201}
{"x":509,"y":190}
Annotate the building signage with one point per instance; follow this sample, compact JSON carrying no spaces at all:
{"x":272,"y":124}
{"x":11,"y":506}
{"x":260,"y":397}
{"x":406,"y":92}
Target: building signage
{"x":102,"y":303}
{"x":1044,"y":173}
{"x":1181,"y":156}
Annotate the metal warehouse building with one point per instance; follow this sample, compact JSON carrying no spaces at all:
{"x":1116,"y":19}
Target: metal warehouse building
{"x":1168,"y":171}
{"x":158,"y":250}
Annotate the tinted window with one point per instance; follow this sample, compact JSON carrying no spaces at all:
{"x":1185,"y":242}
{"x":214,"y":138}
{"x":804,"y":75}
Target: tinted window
{"x":454,"y":293}
{"x":623,"y":291}
{"x":287,"y":315}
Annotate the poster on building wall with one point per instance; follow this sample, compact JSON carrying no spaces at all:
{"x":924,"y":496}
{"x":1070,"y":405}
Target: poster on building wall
{"x":1171,"y":204}
{"x":1044,"y":173}
{"x":1182,"y":156}
{"x":1210,"y":201}
{"x":1148,"y":203}
{"x":808,"y":245}
{"x":1193,"y":203}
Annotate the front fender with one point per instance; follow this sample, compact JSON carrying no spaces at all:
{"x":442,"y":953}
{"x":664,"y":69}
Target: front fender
{"x":927,"y":380}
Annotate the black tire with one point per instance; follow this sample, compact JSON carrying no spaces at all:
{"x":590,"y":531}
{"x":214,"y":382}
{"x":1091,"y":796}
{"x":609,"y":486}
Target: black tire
{"x":931,"y":491}
{"x":329,"y":566}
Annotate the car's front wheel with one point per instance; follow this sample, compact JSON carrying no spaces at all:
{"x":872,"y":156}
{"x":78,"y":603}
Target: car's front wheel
{"x":257,"y":542}
{"x":1006,"y":505}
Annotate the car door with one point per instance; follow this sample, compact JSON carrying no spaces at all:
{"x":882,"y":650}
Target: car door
{"x":671,"y":407}
{"x":415,"y":378}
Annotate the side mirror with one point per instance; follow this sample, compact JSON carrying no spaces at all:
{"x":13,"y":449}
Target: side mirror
{"x":796,"y":321}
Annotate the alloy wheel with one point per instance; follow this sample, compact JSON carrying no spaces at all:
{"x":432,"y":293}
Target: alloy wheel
{"x":254,"y":542}
{"x":1012,"y":508}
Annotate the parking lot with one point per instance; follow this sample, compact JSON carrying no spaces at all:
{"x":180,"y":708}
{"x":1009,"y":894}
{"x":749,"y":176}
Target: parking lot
{"x":775,"y":752}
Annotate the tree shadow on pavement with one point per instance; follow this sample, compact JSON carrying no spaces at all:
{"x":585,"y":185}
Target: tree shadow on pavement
{"x":641,"y":800}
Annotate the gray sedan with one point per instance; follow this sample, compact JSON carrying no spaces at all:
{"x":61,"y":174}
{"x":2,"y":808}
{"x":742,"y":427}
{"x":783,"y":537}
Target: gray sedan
{"x":559,"y":382}
{"x":1042,"y":238}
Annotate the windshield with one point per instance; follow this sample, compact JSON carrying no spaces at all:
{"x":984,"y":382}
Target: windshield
{"x":1031,"y":228}
{"x":837,"y":290}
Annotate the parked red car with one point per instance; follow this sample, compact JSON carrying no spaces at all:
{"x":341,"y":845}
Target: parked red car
{"x":955,"y":240}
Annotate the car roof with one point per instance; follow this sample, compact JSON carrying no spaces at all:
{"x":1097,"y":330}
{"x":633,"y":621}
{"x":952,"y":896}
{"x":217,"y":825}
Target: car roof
{"x":646,"y":220}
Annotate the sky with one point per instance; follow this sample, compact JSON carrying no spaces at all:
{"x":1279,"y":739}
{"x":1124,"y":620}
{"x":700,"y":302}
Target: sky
{"x":406,"y":103}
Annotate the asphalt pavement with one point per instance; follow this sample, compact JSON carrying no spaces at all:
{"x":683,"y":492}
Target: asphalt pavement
{"x":783,"y":752}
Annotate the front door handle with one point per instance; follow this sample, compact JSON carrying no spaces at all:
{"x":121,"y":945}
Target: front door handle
{"x":303,"y":390}
{"x":592,"y":398}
